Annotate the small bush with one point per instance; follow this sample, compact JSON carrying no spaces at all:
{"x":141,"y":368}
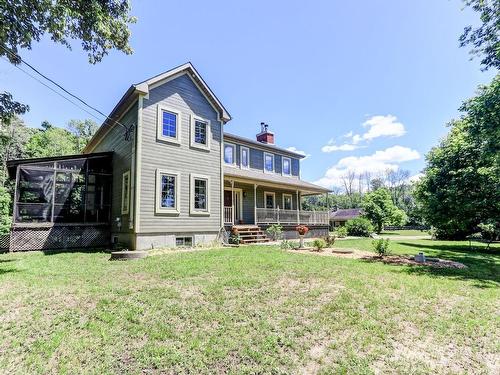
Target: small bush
{"x":319,"y":244}
{"x":234,"y":238}
{"x":330,"y":240}
{"x":341,"y":232}
{"x":359,"y":227}
{"x":381,"y":246}
{"x":286,"y":245}
{"x":275,"y":231}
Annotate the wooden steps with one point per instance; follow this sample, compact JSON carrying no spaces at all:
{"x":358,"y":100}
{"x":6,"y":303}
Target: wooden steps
{"x":251,"y":234}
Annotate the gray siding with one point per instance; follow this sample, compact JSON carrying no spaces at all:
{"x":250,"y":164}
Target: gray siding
{"x":182,"y":94}
{"x":115,"y":141}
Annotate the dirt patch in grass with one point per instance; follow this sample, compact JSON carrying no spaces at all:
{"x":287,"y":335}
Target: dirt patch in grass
{"x":389,"y":259}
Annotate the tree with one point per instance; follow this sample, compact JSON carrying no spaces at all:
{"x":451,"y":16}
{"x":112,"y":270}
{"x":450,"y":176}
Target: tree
{"x":485,"y":39}
{"x":83,"y":130}
{"x":100,"y":25}
{"x":5,"y":218}
{"x":460,"y":187}
{"x":380,"y":210}
{"x":53,"y":141}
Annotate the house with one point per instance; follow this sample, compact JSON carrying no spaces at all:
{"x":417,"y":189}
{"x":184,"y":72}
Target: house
{"x":160,"y":172}
{"x":339,"y":217}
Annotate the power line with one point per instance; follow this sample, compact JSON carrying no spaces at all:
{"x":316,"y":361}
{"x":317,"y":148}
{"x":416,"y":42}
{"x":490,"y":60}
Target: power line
{"x":58,"y":85}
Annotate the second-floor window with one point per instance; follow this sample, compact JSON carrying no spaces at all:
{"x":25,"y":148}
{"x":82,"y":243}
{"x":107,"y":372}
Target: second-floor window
{"x":229,"y":154}
{"x":268,"y":162}
{"x":287,"y":166}
{"x":168,"y":124}
{"x":200,"y":133}
{"x":244,"y":157}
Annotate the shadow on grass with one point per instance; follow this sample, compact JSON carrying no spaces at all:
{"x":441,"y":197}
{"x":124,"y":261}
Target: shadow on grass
{"x":483,"y":264}
{"x":4,"y":271}
{"x":78,"y":250}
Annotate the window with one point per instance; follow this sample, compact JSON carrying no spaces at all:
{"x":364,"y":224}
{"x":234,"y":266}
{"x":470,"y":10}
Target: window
{"x":167,"y":192}
{"x":229,"y":154}
{"x":200,"y":133}
{"x":269,"y":200}
{"x":287,"y":167}
{"x":287,"y":201}
{"x":200,"y":187}
{"x":268,"y":162}
{"x":125,"y":192}
{"x":168,"y":124}
{"x":184,"y":241}
{"x":244,"y":157}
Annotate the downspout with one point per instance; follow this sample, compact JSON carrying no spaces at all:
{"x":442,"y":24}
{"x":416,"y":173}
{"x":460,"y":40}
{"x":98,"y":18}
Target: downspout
{"x":221,"y":219}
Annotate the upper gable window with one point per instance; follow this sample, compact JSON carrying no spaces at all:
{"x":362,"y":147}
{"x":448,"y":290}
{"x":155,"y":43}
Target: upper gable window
{"x":229,"y":154}
{"x":168,"y":124}
{"x":287,"y":166}
{"x":268,"y":162}
{"x":200,"y":133}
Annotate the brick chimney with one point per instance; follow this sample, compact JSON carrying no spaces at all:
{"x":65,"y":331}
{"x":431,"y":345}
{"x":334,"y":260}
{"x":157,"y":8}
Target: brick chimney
{"x":265,"y":136}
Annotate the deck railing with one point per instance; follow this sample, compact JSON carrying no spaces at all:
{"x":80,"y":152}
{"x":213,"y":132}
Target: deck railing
{"x":279,"y":216}
{"x":228,"y":215}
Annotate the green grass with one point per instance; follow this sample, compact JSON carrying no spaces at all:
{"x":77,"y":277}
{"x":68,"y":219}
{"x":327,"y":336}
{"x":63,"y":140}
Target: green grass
{"x":405,"y":232}
{"x":249,"y":310}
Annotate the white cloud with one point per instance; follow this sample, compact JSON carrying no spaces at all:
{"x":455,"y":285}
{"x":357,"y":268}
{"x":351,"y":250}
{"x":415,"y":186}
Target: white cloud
{"x":379,"y":161}
{"x":378,"y":126}
{"x":301,"y":152}
{"x":415,"y":178}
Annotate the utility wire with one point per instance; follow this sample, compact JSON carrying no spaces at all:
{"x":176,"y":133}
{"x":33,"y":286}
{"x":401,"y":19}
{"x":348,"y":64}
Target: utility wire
{"x":58,"y":85}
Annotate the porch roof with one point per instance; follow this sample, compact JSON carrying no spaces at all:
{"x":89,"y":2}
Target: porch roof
{"x":274,"y":180}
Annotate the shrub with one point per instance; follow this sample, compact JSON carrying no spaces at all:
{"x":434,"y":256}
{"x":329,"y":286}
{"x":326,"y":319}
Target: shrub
{"x":302,"y":229}
{"x":275,"y":231}
{"x":359,"y":227}
{"x":234,"y":238}
{"x":381,"y":246}
{"x":490,"y":231}
{"x":330,"y":240}
{"x":319,"y":244}
{"x":341,"y":232}
{"x":286,"y":245}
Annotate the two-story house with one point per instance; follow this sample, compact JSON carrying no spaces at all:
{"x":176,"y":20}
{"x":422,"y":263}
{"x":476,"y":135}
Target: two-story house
{"x":162,"y":172}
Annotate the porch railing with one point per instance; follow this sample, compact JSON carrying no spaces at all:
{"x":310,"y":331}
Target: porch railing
{"x":279,"y":216}
{"x":228,"y":215}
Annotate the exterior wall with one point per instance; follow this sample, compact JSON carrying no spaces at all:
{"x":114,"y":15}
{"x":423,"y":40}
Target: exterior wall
{"x":257,"y":159}
{"x":159,"y":229}
{"x":115,"y":141}
{"x":167,"y":240}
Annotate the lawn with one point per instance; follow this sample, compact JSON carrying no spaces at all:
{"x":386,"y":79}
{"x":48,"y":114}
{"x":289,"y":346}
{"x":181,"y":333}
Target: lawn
{"x":405,"y":232}
{"x":250,"y":310}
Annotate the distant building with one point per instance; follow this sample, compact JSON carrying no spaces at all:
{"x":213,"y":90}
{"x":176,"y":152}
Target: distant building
{"x":339,"y":217}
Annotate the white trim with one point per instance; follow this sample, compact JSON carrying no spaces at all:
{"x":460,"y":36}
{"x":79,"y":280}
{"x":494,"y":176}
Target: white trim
{"x":224,"y":144}
{"x":205,"y":147}
{"x":266,"y":193}
{"x":192,"y":210}
{"x":274,"y":162}
{"x":283,"y":166}
{"x":159,"y":124}
{"x":241,"y":157}
{"x":240,"y":192}
{"x":138,"y":161}
{"x":125,"y":202}
{"x":283,"y":201}
{"x":158,"y":208}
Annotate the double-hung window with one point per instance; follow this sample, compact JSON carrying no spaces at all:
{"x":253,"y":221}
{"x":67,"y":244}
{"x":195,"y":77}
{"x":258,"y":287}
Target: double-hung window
{"x":244,"y":157}
{"x":168,"y":124}
{"x":269,"y":200}
{"x":286,"y":166}
{"x":287,"y":201}
{"x":229,"y":154}
{"x":200,"y":190}
{"x":167,"y":192}
{"x":200,"y":133}
{"x":268,"y":162}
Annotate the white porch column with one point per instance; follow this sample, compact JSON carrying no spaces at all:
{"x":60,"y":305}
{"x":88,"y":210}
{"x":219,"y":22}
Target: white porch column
{"x":255,"y":204}
{"x":233,"y":211}
{"x":298,"y":208}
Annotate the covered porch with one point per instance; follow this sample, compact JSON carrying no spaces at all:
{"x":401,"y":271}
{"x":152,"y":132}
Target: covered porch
{"x":263,"y":203}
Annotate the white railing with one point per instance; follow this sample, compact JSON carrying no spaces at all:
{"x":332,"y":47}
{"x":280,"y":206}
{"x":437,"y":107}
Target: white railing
{"x":228,"y":215}
{"x":270,"y":216}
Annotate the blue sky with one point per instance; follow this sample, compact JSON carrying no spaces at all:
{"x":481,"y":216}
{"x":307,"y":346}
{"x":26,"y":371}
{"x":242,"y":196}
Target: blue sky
{"x":362,"y":85}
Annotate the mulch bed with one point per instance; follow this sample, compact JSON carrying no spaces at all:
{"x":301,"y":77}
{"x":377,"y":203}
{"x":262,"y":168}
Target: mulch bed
{"x":389,"y":259}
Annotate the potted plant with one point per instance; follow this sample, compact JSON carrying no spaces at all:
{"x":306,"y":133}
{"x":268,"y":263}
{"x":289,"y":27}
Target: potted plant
{"x":302,"y":231}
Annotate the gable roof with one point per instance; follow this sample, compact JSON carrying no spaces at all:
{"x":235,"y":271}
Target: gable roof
{"x":142,"y":88}
{"x":345,"y":214}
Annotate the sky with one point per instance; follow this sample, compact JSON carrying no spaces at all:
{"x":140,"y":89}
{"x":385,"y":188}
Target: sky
{"x":364,"y":85}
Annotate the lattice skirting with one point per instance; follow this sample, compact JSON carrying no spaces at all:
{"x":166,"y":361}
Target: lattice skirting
{"x":59,"y":237}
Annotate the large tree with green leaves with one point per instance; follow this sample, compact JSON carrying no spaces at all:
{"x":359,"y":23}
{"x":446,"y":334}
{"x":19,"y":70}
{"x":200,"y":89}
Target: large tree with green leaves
{"x":100,"y":25}
{"x":380,"y":210}
{"x":461,"y":185}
